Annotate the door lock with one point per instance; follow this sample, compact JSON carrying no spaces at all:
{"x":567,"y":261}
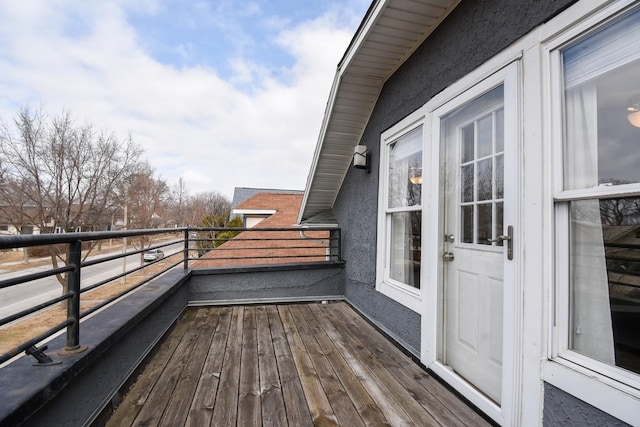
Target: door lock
{"x":449,"y":238}
{"x":448,"y":256}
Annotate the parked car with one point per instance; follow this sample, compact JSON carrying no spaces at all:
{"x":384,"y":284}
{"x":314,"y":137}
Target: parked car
{"x":153,"y":255}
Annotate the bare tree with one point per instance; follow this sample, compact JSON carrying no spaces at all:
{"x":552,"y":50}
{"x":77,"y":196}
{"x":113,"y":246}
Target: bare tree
{"x":147,"y":200}
{"x":58,"y":175}
{"x":179,"y":202}
{"x":205,"y":204}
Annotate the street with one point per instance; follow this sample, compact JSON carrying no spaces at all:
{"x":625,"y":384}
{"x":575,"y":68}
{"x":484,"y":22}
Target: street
{"x":25,"y":295}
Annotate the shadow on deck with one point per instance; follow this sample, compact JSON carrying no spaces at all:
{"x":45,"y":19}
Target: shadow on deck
{"x":294,"y":364}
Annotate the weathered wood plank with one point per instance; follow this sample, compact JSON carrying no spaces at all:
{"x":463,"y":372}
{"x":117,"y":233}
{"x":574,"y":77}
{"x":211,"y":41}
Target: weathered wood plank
{"x":319,"y":406}
{"x":272,"y":402}
{"x":151,"y":413}
{"x":338,"y":397}
{"x":249,"y":411}
{"x":364,"y":404}
{"x":225,"y":409}
{"x":377,"y":378}
{"x":295,"y":365}
{"x":296,"y":406}
{"x":447,"y":408}
{"x":202,"y":406}
{"x":178,"y":407}
{"x":139,"y":392}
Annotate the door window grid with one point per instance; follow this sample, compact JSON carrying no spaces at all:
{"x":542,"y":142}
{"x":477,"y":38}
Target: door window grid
{"x":482,"y":179}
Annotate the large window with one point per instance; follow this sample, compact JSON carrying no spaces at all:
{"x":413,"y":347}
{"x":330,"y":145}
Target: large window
{"x":598,"y":202}
{"x":401,"y":221}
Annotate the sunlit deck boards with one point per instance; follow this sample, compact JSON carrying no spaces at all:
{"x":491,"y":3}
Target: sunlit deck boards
{"x":297,"y":365}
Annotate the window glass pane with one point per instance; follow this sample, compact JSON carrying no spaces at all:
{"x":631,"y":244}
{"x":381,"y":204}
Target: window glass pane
{"x":485,"y":223}
{"x":601,"y":99}
{"x":468,"y":152}
{"x":485,"y":179}
{"x":500,"y":131}
{"x":485,"y":136}
{"x":405,"y":248}
{"x":405,"y":170}
{"x":466,"y":214}
{"x":605,"y":281}
{"x":467,"y":183}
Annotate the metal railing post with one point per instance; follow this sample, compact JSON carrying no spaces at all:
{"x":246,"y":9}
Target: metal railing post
{"x":186,"y":249}
{"x":73,"y":304}
{"x":335,"y":249}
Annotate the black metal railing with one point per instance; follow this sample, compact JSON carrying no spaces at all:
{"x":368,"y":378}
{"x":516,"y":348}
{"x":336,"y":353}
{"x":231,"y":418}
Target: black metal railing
{"x":70,"y":273}
{"x":215,"y":247}
{"x":199,"y":248}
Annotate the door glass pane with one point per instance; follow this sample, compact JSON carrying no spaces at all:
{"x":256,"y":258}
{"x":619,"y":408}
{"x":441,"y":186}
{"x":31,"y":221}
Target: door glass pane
{"x":468,"y":143}
{"x":485,"y":136}
{"x":467,"y":223}
{"x":500,"y":130}
{"x":467,"y":183}
{"x":499,"y":222}
{"x":478,"y":131}
{"x":485,"y":179}
{"x":499,"y":177}
{"x":485,"y":223}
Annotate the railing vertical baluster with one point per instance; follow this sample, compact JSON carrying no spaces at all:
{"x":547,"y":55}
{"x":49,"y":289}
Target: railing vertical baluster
{"x":186,"y":249}
{"x":73,"y":304}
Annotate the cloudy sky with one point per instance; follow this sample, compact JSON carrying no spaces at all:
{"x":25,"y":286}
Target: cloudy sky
{"x":223,"y":93}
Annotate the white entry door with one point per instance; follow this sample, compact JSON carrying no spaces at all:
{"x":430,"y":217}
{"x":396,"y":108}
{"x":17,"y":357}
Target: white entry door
{"x":476,"y":194}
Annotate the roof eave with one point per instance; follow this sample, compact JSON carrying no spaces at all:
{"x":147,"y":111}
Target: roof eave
{"x":365,"y":79}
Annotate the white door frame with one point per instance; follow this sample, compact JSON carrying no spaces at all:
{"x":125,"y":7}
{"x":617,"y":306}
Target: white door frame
{"x":449,"y":100}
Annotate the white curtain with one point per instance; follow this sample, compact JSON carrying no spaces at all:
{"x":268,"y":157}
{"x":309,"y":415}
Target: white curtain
{"x":592,"y":332}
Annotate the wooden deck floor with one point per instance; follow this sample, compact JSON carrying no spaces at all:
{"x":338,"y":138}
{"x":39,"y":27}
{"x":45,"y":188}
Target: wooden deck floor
{"x":297,"y":365}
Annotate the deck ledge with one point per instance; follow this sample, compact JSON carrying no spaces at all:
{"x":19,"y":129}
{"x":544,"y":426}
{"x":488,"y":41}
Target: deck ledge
{"x":208,"y":271}
{"x":25,"y":388}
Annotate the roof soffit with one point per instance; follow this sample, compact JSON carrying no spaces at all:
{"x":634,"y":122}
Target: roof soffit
{"x":389,"y":33}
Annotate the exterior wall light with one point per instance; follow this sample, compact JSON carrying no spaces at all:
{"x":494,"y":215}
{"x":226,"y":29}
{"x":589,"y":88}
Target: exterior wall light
{"x":634,"y":115}
{"x":361,"y":158}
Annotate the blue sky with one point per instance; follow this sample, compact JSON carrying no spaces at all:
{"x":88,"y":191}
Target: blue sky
{"x":222,"y":93}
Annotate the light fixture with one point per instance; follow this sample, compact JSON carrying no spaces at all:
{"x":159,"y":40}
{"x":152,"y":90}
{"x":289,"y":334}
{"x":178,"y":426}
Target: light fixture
{"x":361,"y":158}
{"x":634,"y":115}
{"x":415,"y":175}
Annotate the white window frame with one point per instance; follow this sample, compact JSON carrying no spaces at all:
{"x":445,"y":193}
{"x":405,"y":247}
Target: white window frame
{"x":575,"y":373}
{"x":400,"y":292}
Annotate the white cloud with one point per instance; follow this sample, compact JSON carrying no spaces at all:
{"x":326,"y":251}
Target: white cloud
{"x":191,"y":122}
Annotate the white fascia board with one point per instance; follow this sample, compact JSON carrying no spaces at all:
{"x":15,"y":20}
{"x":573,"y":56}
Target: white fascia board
{"x":253,"y":211}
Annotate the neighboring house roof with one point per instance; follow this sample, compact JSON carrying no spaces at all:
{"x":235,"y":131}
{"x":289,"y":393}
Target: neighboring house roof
{"x":240,"y":194}
{"x":389,"y":33}
{"x":286,"y":206}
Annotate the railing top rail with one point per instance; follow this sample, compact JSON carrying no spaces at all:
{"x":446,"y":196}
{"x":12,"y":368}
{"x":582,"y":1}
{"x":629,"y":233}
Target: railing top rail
{"x":26,"y":240}
{"x":258,"y":229}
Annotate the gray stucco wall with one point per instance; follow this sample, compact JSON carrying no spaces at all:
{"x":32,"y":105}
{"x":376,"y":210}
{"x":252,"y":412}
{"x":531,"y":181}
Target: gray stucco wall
{"x":562,"y":409}
{"x":474,"y":32}
{"x":296,"y":282}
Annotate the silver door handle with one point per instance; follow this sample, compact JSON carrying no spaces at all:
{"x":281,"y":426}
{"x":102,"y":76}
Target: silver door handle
{"x":508,"y":238}
{"x":499,"y":239}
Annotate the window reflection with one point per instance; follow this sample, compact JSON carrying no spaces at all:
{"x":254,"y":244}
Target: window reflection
{"x":605,"y":261}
